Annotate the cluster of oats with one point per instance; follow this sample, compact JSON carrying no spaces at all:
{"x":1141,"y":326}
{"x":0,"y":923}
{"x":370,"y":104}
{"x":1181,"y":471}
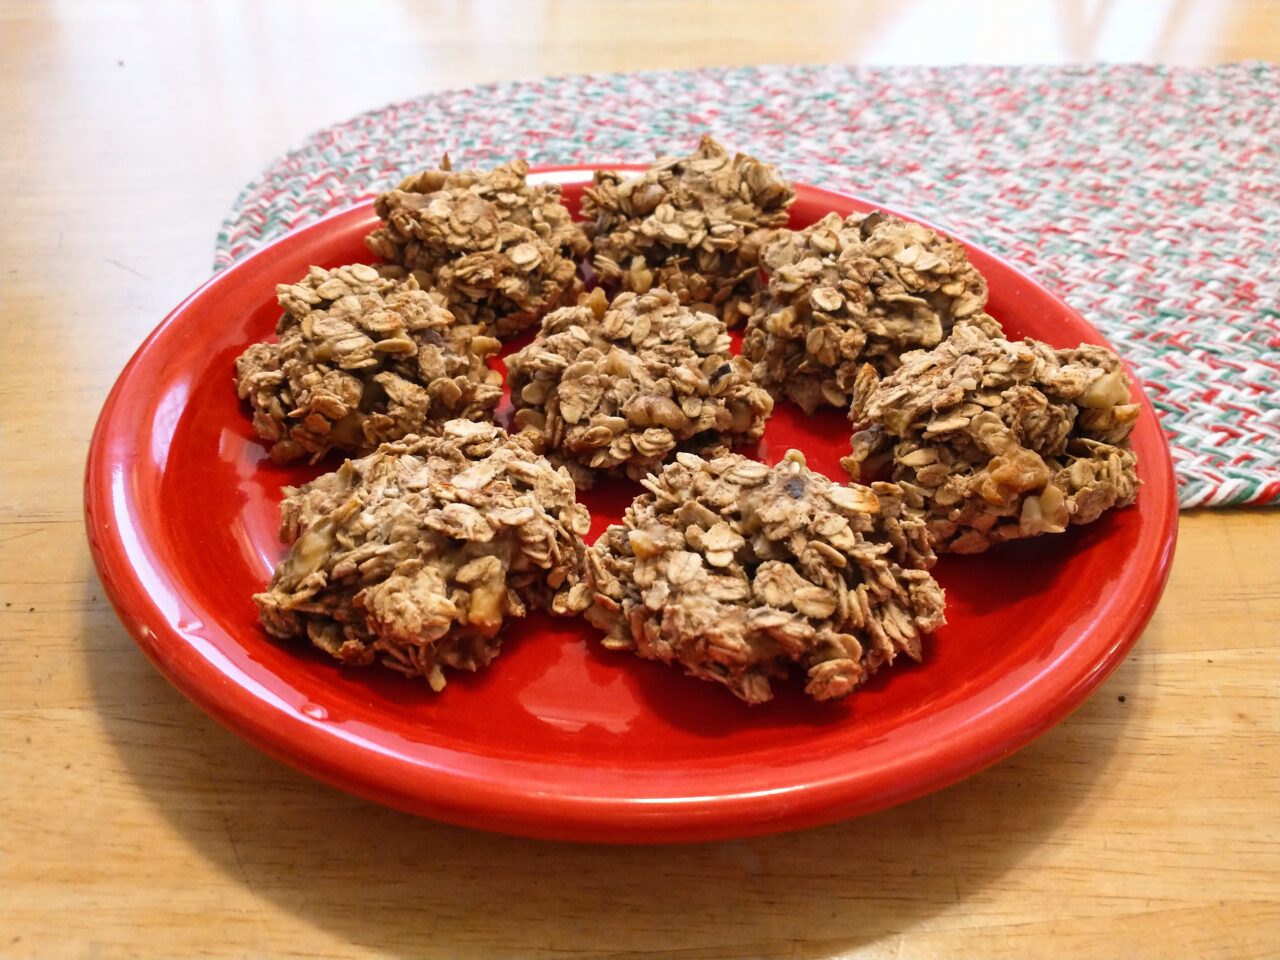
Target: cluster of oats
{"x":361,"y":360}
{"x":617,"y":387}
{"x":694,"y":225}
{"x":501,"y":252}
{"x":418,"y":554}
{"x":865,"y":289}
{"x":742,"y":573}
{"x":997,"y":440}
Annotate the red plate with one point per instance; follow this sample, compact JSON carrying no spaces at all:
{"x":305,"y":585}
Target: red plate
{"x":561,"y":738}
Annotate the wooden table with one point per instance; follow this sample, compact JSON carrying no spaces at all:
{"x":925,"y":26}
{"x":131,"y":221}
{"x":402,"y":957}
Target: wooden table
{"x":1146,"y":825}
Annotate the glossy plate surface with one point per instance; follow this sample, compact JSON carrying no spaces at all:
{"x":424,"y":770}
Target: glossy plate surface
{"x":561,"y":738}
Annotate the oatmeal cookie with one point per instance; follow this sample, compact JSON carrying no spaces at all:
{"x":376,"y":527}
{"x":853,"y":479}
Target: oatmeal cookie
{"x":419,"y":553}
{"x":864,"y":289}
{"x":502,"y":252}
{"x":691,"y":224}
{"x":617,"y":387}
{"x":1000,"y":440}
{"x":741,"y":573}
{"x":361,"y":360}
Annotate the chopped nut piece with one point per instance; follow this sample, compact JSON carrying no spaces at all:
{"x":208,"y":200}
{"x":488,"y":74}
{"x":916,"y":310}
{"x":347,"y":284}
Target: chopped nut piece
{"x":418,"y":554}
{"x":740,"y":572}
{"x":362,"y":360}
{"x":995,"y":440}
{"x":693,"y":225}
{"x":864,"y":289}
{"x":501,"y":251}
{"x":617,"y":388}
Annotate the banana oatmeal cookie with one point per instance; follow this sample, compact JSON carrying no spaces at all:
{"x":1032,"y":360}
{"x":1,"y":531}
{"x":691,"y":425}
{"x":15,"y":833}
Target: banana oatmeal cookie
{"x":501,"y":251}
{"x":691,"y":224}
{"x":864,"y":289}
{"x":998,"y":440}
{"x":361,"y":360}
{"x":741,"y":573}
{"x":419,"y":553}
{"x":617,"y":387}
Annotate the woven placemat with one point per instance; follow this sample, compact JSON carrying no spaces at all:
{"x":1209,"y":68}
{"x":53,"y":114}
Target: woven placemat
{"x":1148,"y":197}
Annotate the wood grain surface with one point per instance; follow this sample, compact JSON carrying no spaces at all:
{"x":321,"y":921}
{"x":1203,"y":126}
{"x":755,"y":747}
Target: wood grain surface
{"x":1146,"y":825}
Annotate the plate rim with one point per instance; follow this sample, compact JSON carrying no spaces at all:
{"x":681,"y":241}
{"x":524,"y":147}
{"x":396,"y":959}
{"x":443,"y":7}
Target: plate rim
{"x":462,"y":798}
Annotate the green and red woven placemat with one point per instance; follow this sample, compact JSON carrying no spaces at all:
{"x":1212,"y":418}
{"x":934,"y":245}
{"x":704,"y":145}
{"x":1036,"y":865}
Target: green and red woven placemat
{"x":1148,"y":197}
